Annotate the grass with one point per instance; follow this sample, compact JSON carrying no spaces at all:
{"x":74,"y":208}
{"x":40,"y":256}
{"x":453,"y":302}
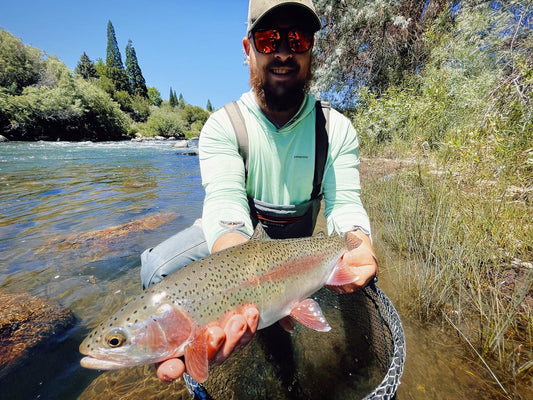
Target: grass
{"x":467,"y":242}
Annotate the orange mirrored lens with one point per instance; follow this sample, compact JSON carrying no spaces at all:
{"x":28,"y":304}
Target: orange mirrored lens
{"x":299,"y":42}
{"x":269,"y":41}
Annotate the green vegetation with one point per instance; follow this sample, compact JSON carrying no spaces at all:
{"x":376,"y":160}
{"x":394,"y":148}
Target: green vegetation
{"x":41,"y":99}
{"x":461,"y":112}
{"x":137,"y":82}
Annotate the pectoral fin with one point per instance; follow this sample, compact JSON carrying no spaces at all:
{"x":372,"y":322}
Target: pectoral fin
{"x":196,"y":361}
{"x":342,"y":274}
{"x":308,"y":313}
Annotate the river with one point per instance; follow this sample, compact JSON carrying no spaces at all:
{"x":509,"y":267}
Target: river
{"x":75,"y":218}
{"x":58,"y":202}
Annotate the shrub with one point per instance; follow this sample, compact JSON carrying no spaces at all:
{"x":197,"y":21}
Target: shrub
{"x":164,"y":122}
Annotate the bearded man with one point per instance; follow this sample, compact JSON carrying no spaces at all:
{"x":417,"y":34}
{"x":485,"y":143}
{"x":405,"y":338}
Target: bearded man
{"x":271,"y":158}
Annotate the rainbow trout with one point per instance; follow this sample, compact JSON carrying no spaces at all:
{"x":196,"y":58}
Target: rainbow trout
{"x":170,"y":318}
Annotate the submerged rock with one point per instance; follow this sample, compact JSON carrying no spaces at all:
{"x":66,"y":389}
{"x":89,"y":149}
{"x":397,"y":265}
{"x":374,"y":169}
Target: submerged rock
{"x":100,"y":240}
{"x":25,"y":323}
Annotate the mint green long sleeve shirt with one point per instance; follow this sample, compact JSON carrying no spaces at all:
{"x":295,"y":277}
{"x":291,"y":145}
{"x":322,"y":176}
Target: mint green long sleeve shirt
{"x":280,"y":169}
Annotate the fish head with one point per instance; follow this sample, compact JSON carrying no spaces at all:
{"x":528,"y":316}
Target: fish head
{"x":149,"y":329}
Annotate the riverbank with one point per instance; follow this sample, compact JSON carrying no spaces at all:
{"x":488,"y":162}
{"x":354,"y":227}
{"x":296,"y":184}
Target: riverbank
{"x":462,"y":260}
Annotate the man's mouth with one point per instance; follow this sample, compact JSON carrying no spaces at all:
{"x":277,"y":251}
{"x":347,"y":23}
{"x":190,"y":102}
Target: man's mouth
{"x":282,"y":71}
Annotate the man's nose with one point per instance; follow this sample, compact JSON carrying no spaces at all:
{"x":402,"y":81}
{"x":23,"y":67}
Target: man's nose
{"x":284,"y":52}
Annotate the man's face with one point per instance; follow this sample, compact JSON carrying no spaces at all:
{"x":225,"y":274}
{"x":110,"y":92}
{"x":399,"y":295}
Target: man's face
{"x":280,"y":79}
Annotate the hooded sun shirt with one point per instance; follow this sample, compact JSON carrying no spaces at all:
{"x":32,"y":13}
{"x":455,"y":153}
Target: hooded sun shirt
{"x":280,"y":169}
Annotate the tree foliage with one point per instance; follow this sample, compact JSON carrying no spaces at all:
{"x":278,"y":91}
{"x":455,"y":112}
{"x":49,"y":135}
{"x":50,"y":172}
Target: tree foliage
{"x":165,"y":122}
{"x":172,"y":99}
{"x":41,"y":99}
{"x":66,"y":108}
{"x":137,"y":81}
{"x":370,"y":43}
{"x":85,"y":67}
{"x":20,"y":65}
{"x":154,"y":96}
{"x":113,"y":57}
{"x":115,"y":69}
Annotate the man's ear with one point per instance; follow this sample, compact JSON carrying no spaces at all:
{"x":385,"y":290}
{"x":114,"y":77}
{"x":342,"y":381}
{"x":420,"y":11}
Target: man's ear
{"x":246,"y":44}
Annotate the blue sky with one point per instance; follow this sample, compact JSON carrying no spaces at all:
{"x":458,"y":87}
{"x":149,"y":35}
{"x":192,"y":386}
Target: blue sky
{"x":193,"y":46}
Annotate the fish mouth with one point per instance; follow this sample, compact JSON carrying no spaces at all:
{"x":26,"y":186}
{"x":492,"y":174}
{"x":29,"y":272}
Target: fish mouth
{"x":96,"y":363}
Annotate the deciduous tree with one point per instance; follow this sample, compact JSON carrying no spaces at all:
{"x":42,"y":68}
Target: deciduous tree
{"x":154,"y":96}
{"x":372,"y":43}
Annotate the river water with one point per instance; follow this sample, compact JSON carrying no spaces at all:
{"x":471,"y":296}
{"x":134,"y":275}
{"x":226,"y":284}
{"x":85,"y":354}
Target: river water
{"x":59,"y":201}
{"x":75,"y":218}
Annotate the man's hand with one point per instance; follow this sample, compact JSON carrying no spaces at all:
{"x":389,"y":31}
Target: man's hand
{"x":363,"y":261}
{"x":237,"y":331}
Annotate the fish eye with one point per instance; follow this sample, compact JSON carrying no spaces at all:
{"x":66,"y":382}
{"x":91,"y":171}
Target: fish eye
{"x":115,"y":339}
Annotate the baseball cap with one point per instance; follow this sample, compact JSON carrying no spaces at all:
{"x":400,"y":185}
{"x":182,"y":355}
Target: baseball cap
{"x":257,"y":9}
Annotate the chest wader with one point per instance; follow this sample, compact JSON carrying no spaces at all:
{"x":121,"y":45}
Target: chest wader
{"x":287,"y":221}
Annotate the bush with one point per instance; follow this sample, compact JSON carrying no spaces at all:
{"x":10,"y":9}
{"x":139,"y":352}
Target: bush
{"x":163,"y":122}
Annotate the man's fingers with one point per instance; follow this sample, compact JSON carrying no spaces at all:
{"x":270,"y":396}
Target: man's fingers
{"x":215,"y":340}
{"x":251,"y":313}
{"x":170,"y":370}
{"x":238,"y":331}
{"x":235,"y":328}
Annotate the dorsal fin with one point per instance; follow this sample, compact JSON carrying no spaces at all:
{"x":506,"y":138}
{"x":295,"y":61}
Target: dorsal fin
{"x":259,"y":233}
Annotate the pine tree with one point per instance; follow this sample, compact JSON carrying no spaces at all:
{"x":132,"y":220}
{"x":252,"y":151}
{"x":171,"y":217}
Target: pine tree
{"x":86,"y":68}
{"x":137,"y":82}
{"x":113,"y":58}
{"x":115,"y":68}
{"x":172,"y":99}
{"x":181,"y":102}
{"x":209,"y":107}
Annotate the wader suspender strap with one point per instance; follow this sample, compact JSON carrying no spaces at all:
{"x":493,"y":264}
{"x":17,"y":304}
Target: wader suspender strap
{"x":239,"y":126}
{"x":321,"y":145}
{"x":321,"y":139}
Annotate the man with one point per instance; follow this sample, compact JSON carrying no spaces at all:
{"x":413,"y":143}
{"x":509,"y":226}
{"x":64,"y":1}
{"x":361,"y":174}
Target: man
{"x":277,"y":177}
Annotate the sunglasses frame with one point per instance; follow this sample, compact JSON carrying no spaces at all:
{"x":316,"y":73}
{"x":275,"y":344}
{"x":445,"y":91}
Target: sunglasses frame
{"x":284,"y":36}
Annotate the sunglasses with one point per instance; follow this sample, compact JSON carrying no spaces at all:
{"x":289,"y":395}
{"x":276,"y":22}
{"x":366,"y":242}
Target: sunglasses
{"x":268,"y":41}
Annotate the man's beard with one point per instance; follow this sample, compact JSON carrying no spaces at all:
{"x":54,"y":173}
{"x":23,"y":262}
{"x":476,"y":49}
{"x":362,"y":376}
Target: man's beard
{"x":278,"y":98}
